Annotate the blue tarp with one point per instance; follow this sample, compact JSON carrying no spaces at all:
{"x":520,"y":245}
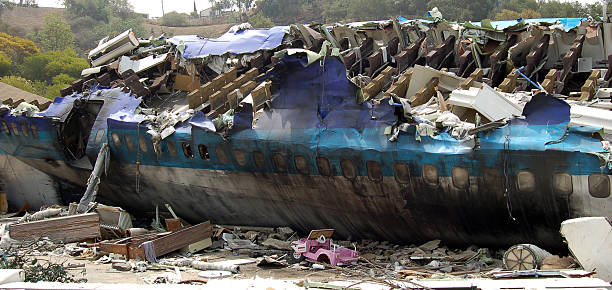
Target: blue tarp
{"x":244,"y":41}
{"x":568,"y":23}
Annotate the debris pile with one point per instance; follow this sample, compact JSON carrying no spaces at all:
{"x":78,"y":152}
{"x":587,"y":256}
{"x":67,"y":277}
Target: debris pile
{"x":217,"y":251}
{"x":420,"y":82}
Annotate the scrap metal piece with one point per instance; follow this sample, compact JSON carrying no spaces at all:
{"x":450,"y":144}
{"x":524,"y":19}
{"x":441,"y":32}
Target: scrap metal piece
{"x":589,"y":239}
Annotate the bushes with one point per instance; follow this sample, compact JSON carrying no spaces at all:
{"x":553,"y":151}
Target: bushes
{"x":260,"y":21}
{"x":16,"y":47}
{"x":5,"y":64}
{"x":174,"y":19}
{"x":45,"y":66}
{"x":55,"y":34}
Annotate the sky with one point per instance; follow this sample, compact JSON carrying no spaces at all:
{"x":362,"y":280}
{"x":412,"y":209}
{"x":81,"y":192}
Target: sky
{"x":151,"y":7}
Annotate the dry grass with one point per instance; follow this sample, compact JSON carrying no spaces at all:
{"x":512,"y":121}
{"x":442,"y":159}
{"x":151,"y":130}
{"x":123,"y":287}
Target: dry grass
{"x":206,"y":31}
{"x":28,"y":19}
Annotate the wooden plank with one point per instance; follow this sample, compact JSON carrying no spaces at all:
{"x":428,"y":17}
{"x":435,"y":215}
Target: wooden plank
{"x":69,"y":228}
{"x":121,"y":249}
{"x":173,"y":224}
{"x":182,"y":238}
{"x":177,"y":240}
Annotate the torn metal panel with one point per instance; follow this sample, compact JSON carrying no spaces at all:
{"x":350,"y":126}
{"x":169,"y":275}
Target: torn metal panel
{"x":589,"y":240}
{"x":141,"y":64}
{"x":113,"y":48}
{"x":421,"y":75}
{"x":244,"y":41}
{"x":486,"y":101}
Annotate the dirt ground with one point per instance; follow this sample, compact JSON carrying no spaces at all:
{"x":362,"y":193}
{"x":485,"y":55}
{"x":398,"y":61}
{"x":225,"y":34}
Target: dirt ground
{"x":104,"y":273}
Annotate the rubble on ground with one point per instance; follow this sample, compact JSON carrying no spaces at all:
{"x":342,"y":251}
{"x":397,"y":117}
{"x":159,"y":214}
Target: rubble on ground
{"x":442,"y":78}
{"x":219,"y":256}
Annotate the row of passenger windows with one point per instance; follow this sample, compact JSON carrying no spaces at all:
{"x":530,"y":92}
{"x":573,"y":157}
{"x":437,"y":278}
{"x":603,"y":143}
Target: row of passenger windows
{"x":22,"y":129}
{"x":599,"y":184}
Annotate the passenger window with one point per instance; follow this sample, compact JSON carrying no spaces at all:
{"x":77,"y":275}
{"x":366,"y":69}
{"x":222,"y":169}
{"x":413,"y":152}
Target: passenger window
{"x":34,"y":131}
{"x":323,"y":166}
{"x":493,"y":179}
{"x":129,"y":142}
{"x":171,"y":148}
{"x":430,"y":174}
{"x":260,"y":159}
{"x":280,"y":163}
{"x":15,"y":129}
{"x":240,"y":157}
{"x":187,"y":151}
{"x":461,"y":177}
{"x":98,"y":138}
{"x":221,"y":156}
{"x":374,"y":171}
{"x":116,"y":140}
{"x":301,"y":164}
{"x":599,"y":185}
{"x":401,"y":172}
{"x":142,"y":144}
{"x":526,"y":181}
{"x":24,"y":129}
{"x":348,"y":169}
{"x":6,"y":128}
{"x":562,"y":183}
{"x":203,"y":152}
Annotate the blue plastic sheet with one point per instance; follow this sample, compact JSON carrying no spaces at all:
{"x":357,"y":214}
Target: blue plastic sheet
{"x":201,"y":121}
{"x":545,"y":109}
{"x":244,"y":41}
{"x":319,"y":96}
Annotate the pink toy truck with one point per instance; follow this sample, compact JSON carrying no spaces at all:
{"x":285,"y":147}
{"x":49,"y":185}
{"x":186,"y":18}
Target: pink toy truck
{"x":318,"y":247}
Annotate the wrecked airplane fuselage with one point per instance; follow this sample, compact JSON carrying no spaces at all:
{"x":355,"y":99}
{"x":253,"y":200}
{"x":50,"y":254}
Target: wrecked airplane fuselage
{"x":319,"y":158}
{"x":301,"y":145}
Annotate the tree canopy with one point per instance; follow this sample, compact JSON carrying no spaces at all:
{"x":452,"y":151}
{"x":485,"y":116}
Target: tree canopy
{"x":55,"y":34}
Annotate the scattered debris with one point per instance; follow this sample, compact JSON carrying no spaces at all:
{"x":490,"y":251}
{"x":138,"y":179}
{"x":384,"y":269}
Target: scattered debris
{"x":67,"y":229}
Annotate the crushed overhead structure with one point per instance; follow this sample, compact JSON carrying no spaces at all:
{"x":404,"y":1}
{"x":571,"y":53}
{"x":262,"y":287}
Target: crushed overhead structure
{"x":406,"y":130}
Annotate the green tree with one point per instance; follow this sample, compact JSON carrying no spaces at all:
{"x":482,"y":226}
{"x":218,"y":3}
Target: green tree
{"x":260,"y":21}
{"x":45,"y":66}
{"x":174,"y":19}
{"x":334,"y":11}
{"x":59,"y":82}
{"x":17,"y":47}
{"x":554,"y":8}
{"x":97,"y":9}
{"x":6,"y":64}
{"x":55,"y":34}
{"x":506,"y":14}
